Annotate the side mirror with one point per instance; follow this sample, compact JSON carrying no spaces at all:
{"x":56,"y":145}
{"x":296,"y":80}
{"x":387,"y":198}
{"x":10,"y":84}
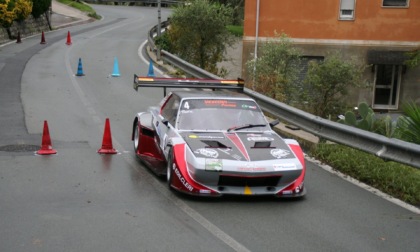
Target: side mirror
{"x":165,"y":122}
{"x":274,"y":123}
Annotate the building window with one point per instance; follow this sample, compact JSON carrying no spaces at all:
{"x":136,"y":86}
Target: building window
{"x":304,"y":66}
{"x":387,"y":86}
{"x":395,"y":3}
{"x":347,"y":9}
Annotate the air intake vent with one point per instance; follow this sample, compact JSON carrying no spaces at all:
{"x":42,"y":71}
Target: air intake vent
{"x":227,"y":180}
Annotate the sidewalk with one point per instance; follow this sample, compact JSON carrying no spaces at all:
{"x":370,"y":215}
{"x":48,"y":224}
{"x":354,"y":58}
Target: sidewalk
{"x":65,"y":16}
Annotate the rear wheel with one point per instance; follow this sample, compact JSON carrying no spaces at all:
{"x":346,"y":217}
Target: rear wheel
{"x":169,"y":168}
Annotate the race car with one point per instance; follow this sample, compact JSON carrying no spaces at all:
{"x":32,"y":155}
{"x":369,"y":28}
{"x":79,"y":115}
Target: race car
{"x":210,"y":139}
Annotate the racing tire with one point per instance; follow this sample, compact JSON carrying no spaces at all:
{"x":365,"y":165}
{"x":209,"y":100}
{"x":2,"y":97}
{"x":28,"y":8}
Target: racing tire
{"x":136,"y":140}
{"x":169,"y":168}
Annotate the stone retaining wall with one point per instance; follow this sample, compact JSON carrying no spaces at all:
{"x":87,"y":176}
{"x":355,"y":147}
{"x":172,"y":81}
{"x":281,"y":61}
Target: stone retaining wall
{"x":27,"y":28}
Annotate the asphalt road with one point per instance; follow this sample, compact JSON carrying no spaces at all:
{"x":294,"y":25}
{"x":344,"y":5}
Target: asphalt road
{"x":78,"y":200}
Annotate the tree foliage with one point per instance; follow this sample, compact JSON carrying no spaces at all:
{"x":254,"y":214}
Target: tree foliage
{"x":198,"y":33}
{"x":328,"y":82}
{"x":414,"y":58}
{"x":7,"y":13}
{"x":275,"y":71}
{"x":238,"y":9}
{"x":23,"y":9}
{"x":14,"y":10}
{"x":40,"y":7}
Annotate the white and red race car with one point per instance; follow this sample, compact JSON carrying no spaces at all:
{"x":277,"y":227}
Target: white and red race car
{"x":215,"y":141}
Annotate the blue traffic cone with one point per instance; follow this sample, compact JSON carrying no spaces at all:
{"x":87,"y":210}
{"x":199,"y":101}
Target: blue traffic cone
{"x":151,"y":73}
{"x":116,"y":72}
{"x":80,"y":68}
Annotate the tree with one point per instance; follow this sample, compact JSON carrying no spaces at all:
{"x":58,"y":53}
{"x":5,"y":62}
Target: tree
{"x":414,"y":58}
{"x":11,"y":10}
{"x":7,"y":13}
{"x":238,"y":9}
{"x":23,"y":9}
{"x":275,"y":71}
{"x":327,"y":83}
{"x":199,"y":35}
{"x":40,"y":7}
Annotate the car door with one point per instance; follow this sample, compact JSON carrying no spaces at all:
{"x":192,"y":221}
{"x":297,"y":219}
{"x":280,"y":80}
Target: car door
{"x":167,"y":118}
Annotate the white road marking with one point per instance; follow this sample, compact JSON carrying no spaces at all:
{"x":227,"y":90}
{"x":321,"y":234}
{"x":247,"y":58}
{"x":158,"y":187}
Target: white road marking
{"x":141,"y":48}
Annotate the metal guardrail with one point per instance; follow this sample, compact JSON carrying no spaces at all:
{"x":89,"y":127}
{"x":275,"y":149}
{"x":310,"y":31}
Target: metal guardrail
{"x":387,"y":148}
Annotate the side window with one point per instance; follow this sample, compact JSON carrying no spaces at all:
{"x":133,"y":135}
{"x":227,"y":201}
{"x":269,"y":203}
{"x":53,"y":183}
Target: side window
{"x":170,"y":109}
{"x":347,"y":9}
{"x":395,"y":3}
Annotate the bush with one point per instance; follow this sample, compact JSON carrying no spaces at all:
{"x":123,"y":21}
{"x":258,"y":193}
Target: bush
{"x":236,"y":30}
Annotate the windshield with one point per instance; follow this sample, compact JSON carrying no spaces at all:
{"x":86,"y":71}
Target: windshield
{"x":220,"y":114}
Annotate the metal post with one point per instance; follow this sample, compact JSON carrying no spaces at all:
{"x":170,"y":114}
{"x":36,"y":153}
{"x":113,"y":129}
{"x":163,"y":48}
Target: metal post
{"x":159,"y":28}
{"x":257,"y":20}
{"x":159,"y":7}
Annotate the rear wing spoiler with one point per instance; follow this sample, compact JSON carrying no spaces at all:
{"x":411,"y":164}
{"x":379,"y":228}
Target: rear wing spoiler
{"x":142,"y":81}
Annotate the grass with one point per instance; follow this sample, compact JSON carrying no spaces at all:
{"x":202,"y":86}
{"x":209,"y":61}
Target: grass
{"x":398,"y":180}
{"x":236,"y":30}
{"x":81,"y":6}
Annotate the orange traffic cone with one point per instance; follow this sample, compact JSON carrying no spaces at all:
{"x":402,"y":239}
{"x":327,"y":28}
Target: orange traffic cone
{"x":107,"y":141}
{"x":46,"y":146}
{"x":18,"y":38}
{"x":43,"y":38}
{"x":68,"y":38}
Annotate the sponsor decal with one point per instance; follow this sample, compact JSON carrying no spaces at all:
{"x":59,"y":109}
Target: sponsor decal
{"x":205,"y":137}
{"x":248,"y":106}
{"x":213,"y":165}
{"x":186,"y":111}
{"x":279,"y":153}
{"x":211,"y":153}
{"x":260,"y":139}
{"x":221,"y":103}
{"x":229,"y":152}
{"x":252,"y":169}
{"x":181,"y":178}
{"x":283,"y":167}
{"x":253,"y":135}
{"x":287,"y":192}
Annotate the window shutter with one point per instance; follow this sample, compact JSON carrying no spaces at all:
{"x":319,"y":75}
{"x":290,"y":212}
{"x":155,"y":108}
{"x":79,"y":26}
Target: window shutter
{"x":347,"y":4}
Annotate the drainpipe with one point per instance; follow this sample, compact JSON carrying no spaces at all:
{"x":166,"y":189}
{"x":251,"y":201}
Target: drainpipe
{"x":257,"y":20}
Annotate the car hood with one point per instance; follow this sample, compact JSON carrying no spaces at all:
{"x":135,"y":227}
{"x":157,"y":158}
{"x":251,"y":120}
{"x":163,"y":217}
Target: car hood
{"x":242,"y":146}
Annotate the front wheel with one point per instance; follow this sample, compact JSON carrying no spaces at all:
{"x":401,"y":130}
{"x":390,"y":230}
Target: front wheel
{"x":169,"y":168}
{"x":136,"y":139}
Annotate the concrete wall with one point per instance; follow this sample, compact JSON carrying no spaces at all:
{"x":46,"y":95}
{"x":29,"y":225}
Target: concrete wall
{"x":27,"y":28}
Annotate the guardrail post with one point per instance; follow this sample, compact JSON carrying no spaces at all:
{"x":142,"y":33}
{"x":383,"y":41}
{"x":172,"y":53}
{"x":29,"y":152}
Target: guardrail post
{"x":158,"y":56}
